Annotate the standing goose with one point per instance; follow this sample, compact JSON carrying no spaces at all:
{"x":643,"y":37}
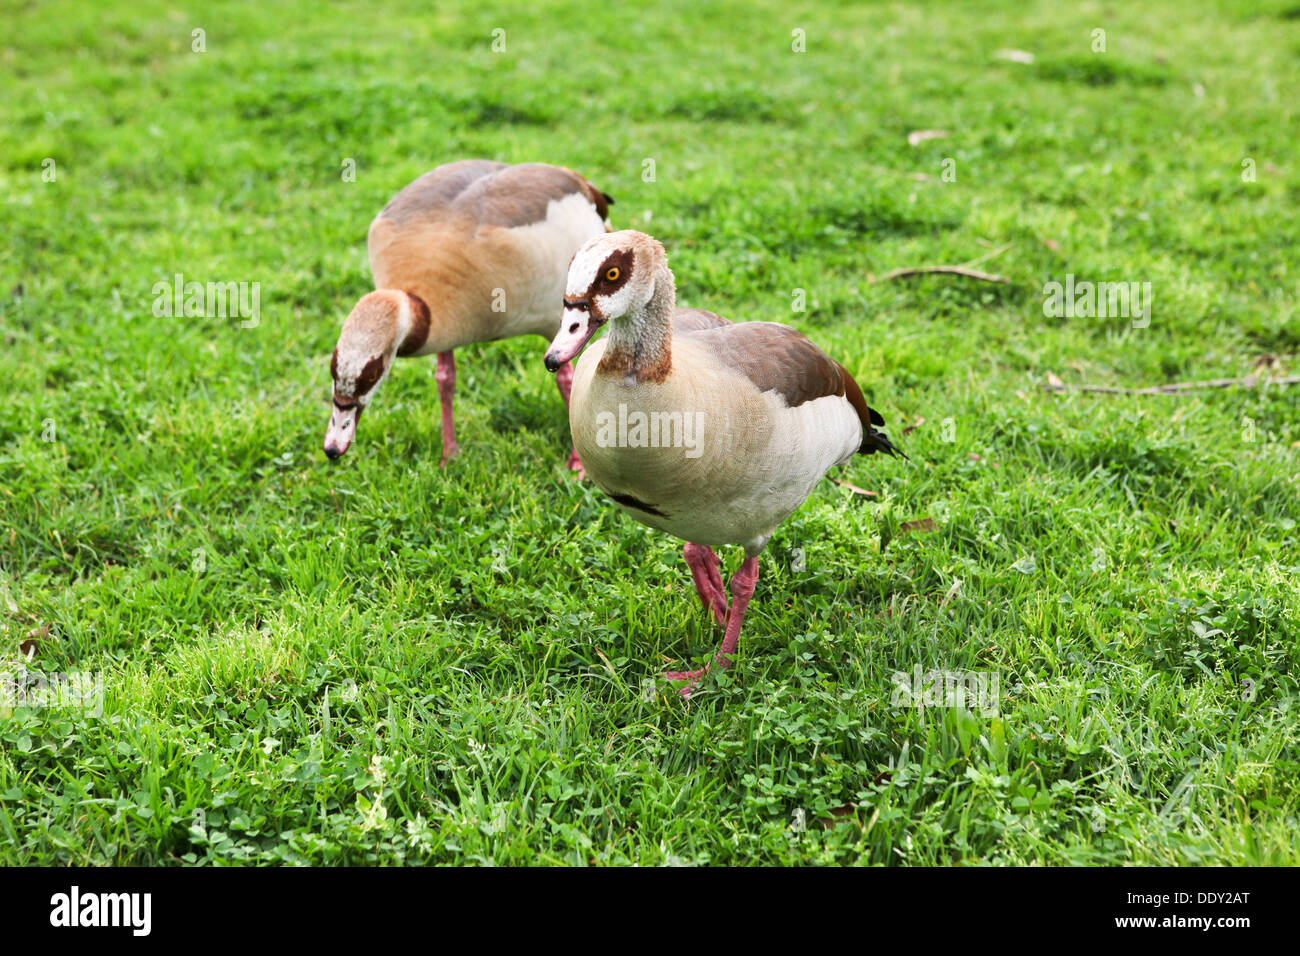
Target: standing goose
{"x":473,"y":251}
{"x":710,"y":431}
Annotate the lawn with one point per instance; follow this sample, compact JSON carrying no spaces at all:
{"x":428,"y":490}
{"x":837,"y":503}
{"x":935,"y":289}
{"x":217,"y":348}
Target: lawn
{"x":382,"y":661}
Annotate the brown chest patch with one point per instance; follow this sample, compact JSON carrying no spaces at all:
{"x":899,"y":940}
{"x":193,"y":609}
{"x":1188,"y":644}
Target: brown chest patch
{"x":622,"y":363}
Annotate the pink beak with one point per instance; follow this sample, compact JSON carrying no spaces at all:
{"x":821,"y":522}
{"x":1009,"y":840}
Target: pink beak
{"x":577,"y":326}
{"x":342,"y":429}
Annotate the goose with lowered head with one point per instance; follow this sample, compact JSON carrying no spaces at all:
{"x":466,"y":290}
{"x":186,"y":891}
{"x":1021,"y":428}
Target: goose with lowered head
{"x":474,"y":251}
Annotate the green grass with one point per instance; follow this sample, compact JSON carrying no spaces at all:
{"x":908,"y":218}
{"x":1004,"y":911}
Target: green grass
{"x":384,"y":662}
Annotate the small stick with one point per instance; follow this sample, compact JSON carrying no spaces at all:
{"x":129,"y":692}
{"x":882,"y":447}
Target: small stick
{"x":854,"y":488}
{"x":1250,"y":381}
{"x":944,"y":270}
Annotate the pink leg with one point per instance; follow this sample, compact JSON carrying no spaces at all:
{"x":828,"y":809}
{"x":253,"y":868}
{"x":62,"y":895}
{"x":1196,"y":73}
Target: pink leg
{"x":564,"y":382}
{"x":742,"y":589}
{"x":708,"y":580}
{"x":446,"y":379}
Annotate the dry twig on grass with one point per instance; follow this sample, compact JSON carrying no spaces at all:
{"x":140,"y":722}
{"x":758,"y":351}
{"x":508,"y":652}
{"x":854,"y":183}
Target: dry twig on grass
{"x":1250,"y":381}
{"x":854,"y":488}
{"x":962,"y":270}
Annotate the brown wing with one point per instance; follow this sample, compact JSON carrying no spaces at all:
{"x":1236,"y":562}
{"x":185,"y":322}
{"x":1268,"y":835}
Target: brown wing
{"x":696,"y":320}
{"x":781,"y":359}
{"x":519,"y":195}
{"x":601,"y":200}
{"x":435,"y":193}
{"x":491,"y":194}
{"x":776,"y":358}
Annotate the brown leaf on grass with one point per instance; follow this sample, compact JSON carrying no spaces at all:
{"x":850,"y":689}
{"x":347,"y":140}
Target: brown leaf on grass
{"x":907,"y":430}
{"x":919,"y":136}
{"x":845,"y":814}
{"x":1052,"y":244}
{"x":920,"y":524}
{"x":1053,"y":381}
{"x":27,"y":646}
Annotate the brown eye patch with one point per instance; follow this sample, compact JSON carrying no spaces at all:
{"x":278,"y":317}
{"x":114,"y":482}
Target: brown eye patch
{"x":370,"y":374}
{"x":615,"y":270}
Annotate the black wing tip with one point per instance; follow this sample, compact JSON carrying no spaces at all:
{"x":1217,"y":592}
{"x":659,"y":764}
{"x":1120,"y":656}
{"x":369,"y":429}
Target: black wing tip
{"x":874,"y":441}
{"x":608,"y":198}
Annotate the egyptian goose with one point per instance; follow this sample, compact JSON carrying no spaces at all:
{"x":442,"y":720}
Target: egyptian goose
{"x":710,"y":431}
{"x":473,"y":251}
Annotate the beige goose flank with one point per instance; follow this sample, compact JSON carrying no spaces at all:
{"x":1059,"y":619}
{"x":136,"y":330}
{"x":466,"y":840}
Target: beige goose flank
{"x":474,"y":251}
{"x":711,"y":431}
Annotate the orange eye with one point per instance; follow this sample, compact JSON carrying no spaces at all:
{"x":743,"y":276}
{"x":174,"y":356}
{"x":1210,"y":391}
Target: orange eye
{"x":612,"y":275}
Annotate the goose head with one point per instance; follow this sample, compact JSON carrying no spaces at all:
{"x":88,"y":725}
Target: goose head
{"x":611,"y":278}
{"x":369,"y":341}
